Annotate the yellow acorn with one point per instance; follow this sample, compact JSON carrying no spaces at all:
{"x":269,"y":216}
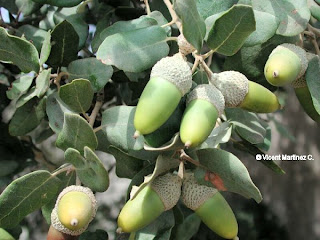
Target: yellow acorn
{"x":160,"y":195}
{"x":204,"y":105}
{"x":74,"y":210}
{"x":286,"y":63}
{"x":170,"y":79}
{"x":238,"y":91}
{"x":210,"y":206}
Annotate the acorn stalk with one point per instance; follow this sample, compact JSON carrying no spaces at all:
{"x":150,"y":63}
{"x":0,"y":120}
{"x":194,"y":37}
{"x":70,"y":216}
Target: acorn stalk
{"x":160,"y":195}
{"x":210,"y":206}
{"x":74,"y":210}
{"x":286,"y":63}
{"x":238,"y":91}
{"x":205,"y":103}
{"x":170,"y":79}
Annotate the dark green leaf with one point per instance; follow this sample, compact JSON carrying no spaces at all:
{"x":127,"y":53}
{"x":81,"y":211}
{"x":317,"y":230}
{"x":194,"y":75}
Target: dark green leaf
{"x":19,"y":86}
{"x":7,"y":167}
{"x":56,"y":109}
{"x":19,"y":52}
{"x":89,"y":168}
{"x":76,"y":133}
{"x":25,"y":195}
{"x":229,"y":173}
{"x":208,"y":8}
{"x":77,"y":95}
{"x":312,"y":78}
{"x":27,"y":117}
{"x":188,"y":228}
{"x":93,"y":70}
{"x":97,"y":235}
{"x":136,"y":50}
{"x":247,"y":124}
{"x":9,"y":5}
{"x":126,"y":165}
{"x":77,"y":20}
{"x":158,"y":229}
{"x":65,"y":42}
{"x":60,"y":3}
{"x":194,"y":28}
{"x":118,"y":125}
{"x":230,"y":30}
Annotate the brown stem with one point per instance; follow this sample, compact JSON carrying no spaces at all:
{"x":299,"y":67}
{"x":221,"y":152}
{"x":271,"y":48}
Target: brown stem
{"x":186,"y":157}
{"x":146,"y":2}
{"x":316,"y":31}
{"x":173,"y":14}
{"x":59,"y":77}
{"x":97,"y":107}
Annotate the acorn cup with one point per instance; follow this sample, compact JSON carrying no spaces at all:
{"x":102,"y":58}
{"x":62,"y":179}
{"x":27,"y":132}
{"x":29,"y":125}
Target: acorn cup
{"x":205,"y":103}
{"x":160,"y":195}
{"x":185,"y":47}
{"x":238,"y":91}
{"x":170,"y":79}
{"x":210,"y":206}
{"x":54,"y":234}
{"x":286,"y":63}
{"x":74,"y":210}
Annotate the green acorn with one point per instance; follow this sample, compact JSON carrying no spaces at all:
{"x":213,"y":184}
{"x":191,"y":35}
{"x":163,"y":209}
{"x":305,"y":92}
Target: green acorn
{"x":210,"y":206}
{"x":286,"y":63}
{"x":170,"y":79}
{"x":238,"y":91}
{"x":160,"y":195}
{"x":204,"y":105}
{"x":74,"y":210}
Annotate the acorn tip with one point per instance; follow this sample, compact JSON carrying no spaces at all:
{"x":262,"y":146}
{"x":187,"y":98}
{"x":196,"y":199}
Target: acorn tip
{"x":136,"y":134}
{"x":119,"y":230}
{"x":275,"y":73}
{"x":188,"y":144}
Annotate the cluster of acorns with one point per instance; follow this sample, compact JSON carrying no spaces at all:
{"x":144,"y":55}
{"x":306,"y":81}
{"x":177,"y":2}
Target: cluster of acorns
{"x":171,"y":79}
{"x":164,"y":192}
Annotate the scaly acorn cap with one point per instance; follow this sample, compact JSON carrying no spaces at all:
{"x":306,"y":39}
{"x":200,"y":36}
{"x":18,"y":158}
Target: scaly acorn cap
{"x":184,"y":46}
{"x":301,"y":82}
{"x":233,"y":85}
{"x":194,"y":194}
{"x":175,"y":70}
{"x":301,"y":53}
{"x":209,"y":93}
{"x":54,"y":214}
{"x":168,"y":187}
{"x":158,"y":196}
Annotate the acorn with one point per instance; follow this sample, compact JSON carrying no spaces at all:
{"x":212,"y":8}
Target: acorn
{"x":160,"y":195}
{"x":170,"y":79}
{"x":205,"y":104}
{"x":286,"y":63}
{"x":184,"y":46}
{"x":75,"y":208}
{"x":238,"y":91}
{"x":210,"y":206}
{"x":54,"y":234}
